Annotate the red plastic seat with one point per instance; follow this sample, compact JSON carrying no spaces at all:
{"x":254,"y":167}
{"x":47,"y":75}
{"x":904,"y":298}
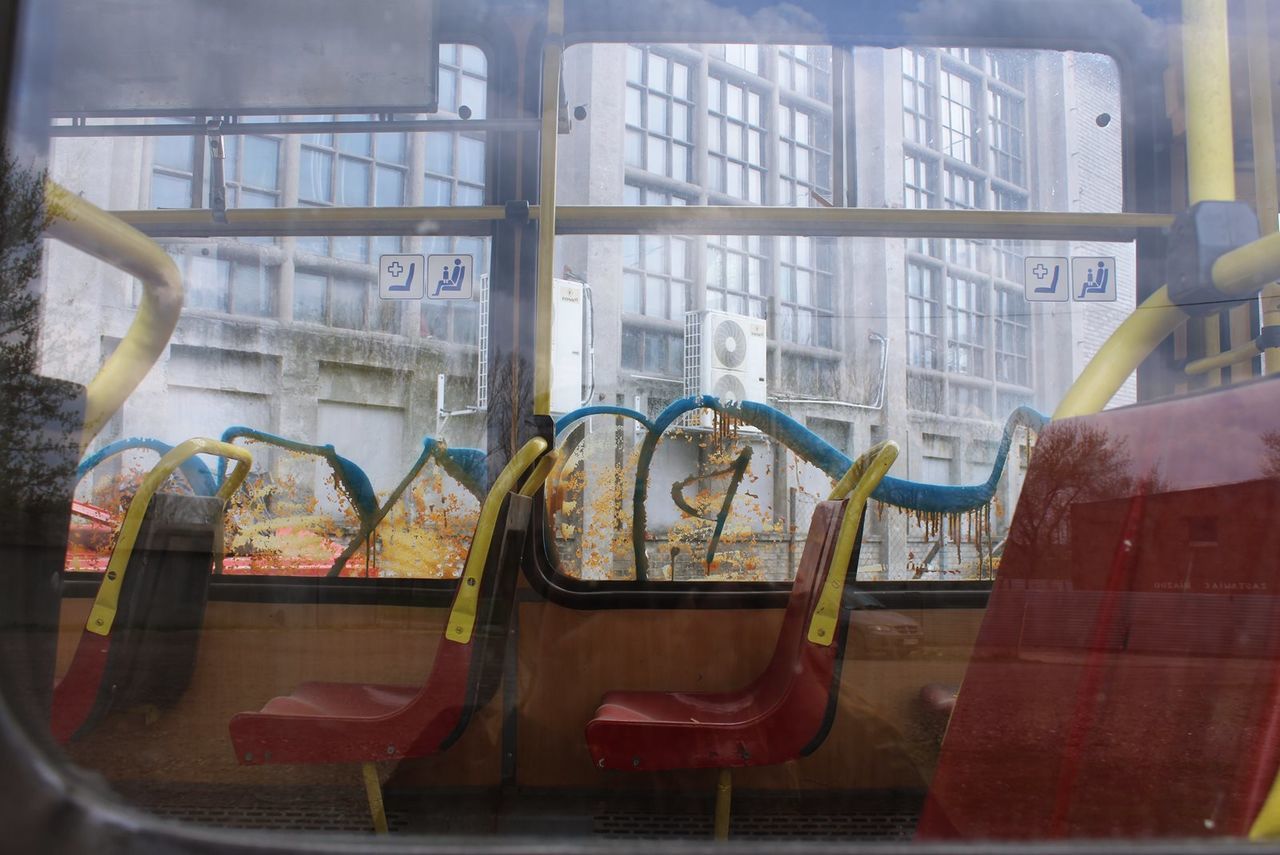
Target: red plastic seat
{"x":325,"y":722}
{"x":787,"y":710}
{"x":782,"y":714}
{"x":1126,"y":678}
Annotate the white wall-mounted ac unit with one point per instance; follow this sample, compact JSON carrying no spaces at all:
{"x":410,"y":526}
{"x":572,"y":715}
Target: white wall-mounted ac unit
{"x":568,"y":340}
{"x":571,"y":346}
{"x":727,"y":356}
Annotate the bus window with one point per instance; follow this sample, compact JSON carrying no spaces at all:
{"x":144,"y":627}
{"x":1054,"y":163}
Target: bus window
{"x":582,"y":420}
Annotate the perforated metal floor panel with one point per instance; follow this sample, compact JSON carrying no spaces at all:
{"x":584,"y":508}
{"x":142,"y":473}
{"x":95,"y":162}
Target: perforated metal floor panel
{"x":539,"y":814}
{"x":863,"y":826}
{"x":292,"y":809}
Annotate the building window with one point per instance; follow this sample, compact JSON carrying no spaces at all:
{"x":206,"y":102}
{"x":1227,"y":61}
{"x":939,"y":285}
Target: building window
{"x":652,"y":351}
{"x":237,"y":286}
{"x":173,"y":167}
{"x":352,"y":170}
{"x":746,"y":57}
{"x":656,"y":269}
{"x":805,"y":290}
{"x":956,"y":281}
{"x":804,"y":156}
{"x":659,"y":114}
{"x":966,"y":318}
{"x":341,"y":301}
{"x":735,"y":140}
{"x":957,"y":115}
{"x":735,"y":275}
{"x":805,"y":70}
{"x":1013,"y":338}
{"x":454,"y":170}
{"x":922,"y":315}
{"x":463,"y":80}
{"x":917,"y":99}
{"x":1005,"y":116}
{"x":252,"y":171}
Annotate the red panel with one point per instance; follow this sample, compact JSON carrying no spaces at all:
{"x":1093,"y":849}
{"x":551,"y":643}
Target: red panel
{"x":75,"y":694}
{"x":1124,"y":679}
{"x":769,"y":721}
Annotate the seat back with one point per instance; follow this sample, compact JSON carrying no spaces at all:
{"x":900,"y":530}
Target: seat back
{"x":162,"y":605}
{"x":803,"y":676}
{"x":469,"y":663}
{"x":1125,"y":678}
{"x":495,"y":607}
{"x":139,"y":643}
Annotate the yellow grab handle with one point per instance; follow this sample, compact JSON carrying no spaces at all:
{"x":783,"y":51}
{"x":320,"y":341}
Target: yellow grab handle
{"x":89,"y":229}
{"x":858,"y":483}
{"x":105,"y":605}
{"x":462,"y":617}
{"x":540,"y":473}
{"x":1238,"y":273}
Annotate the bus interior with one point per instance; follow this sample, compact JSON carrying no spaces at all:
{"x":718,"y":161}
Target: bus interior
{"x":554,"y":425}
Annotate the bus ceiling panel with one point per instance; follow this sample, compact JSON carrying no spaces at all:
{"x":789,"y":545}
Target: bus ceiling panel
{"x":286,"y":56}
{"x":1133,"y":28}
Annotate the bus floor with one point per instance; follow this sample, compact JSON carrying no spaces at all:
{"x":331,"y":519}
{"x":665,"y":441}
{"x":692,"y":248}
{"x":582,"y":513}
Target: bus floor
{"x":872,"y":815}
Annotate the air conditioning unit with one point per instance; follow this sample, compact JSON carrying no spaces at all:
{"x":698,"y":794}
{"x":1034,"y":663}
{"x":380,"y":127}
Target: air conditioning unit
{"x":571,"y":346}
{"x":727,"y":356}
{"x":568,"y":345}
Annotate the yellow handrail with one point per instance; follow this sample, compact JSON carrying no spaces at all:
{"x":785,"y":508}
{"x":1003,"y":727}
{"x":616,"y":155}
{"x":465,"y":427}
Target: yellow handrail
{"x":91,"y":230}
{"x":858,"y":483}
{"x":540,"y":473}
{"x":105,"y":605}
{"x":1210,"y":175}
{"x":462,"y":617}
{"x":1245,"y":352}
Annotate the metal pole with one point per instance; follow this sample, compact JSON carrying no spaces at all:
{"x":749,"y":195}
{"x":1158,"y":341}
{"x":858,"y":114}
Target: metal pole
{"x":1206,"y":82}
{"x":553,"y":50}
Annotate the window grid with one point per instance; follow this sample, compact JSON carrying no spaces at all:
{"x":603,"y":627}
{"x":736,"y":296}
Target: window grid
{"x":917,"y":99}
{"x":1006,"y":113}
{"x":341,"y":300}
{"x":173,"y":168}
{"x":736,"y":161}
{"x":974,"y":286}
{"x":966,"y":322}
{"x":237,"y":284}
{"x":804,"y":156}
{"x":1012,"y":337}
{"x":805,"y":69}
{"x":653,"y":351}
{"x":746,"y":57}
{"x":659,"y":114}
{"x":251,"y":170}
{"x":806,"y":290}
{"x":735,"y":274}
{"x":455,"y":169}
{"x":464,"y":80}
{"x":957,"y":115}
{"x":656,"y":269}
{"x":923,"y":312}
{"x":356,"y":170}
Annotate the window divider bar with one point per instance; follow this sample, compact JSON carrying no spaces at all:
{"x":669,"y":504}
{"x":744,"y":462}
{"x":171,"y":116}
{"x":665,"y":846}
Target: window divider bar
{"x":477,"y":220}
